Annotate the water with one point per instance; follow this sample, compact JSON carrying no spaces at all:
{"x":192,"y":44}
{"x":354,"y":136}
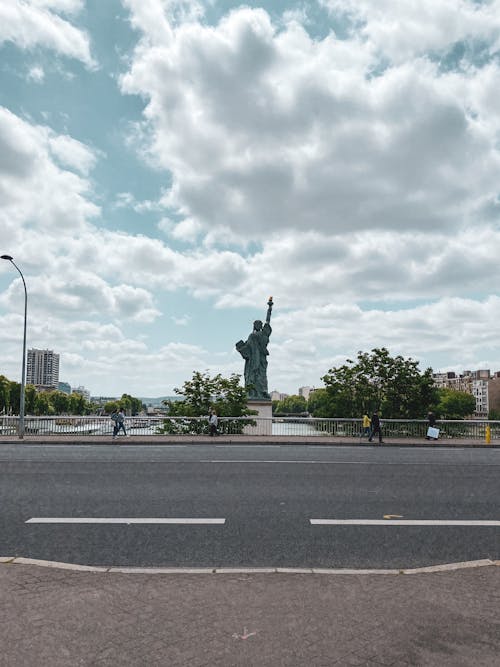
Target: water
{"x":291,"y":428}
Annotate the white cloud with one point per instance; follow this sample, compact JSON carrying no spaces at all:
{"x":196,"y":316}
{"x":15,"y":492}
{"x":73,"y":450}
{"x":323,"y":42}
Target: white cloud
{"x":72,"y":153}
{"x":30,"y":23}
{"x":64,"y":6}
{"x":306,"y":343}
{"x":36,"y":74}
{"x":266,"y":130}
{"x":182,"y":321}
{"x":403,"y":30}
{"x":32,"y":188}
{"x":127,"y":200}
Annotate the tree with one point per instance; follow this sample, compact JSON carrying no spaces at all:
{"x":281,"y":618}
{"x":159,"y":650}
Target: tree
{"x":292,"y":405}
{"x":130,"y":404}
{"x":111,"y":407}
{"x":59,"y":401}
{"x":455,"y":404}
{"x":30,"y":399}
{"x":4,"y":394}
{"x":42,"y":404}
{"x":376,"y":381}
{"x":77,"y":404}
{"x":318,"y":404}
{"x":203,"y":393}
{"x":15,"y":397}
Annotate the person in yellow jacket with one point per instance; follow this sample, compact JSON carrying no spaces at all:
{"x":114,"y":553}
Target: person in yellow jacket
{"x":366,"y":425}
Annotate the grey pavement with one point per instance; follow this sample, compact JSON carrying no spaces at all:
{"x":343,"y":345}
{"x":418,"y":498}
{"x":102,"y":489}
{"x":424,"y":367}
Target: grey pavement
{"x":57,"y":617}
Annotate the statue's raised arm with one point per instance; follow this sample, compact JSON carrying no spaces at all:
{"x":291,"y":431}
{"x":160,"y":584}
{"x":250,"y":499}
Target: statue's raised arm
{"x":269,"y":309}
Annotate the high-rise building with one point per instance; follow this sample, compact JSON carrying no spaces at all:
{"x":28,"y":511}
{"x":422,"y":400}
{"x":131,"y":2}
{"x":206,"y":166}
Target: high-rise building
{"x":42,"y":369}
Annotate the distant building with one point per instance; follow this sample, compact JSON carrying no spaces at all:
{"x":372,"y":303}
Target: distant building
{"x":42,"y":369}
{"x":481,"y":384}
{"x":102,"y":400}
{"x":65,"y":387}
{"x":82,"y":391}
{"x":306,"y":392}
{"x":277,"y":396}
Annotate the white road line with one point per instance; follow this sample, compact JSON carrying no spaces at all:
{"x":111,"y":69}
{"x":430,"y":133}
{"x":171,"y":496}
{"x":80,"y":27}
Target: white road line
{"x":126,"y":520}
{"x":400,"y":522}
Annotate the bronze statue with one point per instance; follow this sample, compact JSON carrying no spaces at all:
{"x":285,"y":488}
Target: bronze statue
{"x":254,"y":352}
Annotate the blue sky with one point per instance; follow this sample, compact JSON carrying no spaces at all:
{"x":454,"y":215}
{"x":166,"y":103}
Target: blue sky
{"x":167,"y":165}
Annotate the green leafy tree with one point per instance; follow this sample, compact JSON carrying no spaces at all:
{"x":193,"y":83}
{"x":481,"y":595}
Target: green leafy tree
{"x":111,"y":406}
{"x":4,"y":394}
{"x":376,"y":381}
{"x":60,"y":402}
{"x":15,"y":397}
{"x":203,"y":393}
{"x":42,"y":404}
{"x":130,"y":404}
{"x":30,"y":400}
{"x":77,"y":404}
{"x":455,"y":404}
{"x":319,"y":404}
{"x":292,"y":405}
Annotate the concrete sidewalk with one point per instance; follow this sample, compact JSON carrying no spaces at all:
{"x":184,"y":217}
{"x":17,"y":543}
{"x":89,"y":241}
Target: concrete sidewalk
{"x":240,"y":439}
{"x":60,"y":618}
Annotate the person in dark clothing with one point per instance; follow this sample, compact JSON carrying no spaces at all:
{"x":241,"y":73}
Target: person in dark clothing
{"x":213,"y":421}
{"x":375,"y":428}
{"x":119,"y":424}
{"x":431,"y":423}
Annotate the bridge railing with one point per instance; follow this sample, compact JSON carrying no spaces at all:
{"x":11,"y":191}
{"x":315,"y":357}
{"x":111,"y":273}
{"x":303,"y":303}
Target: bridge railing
{"x":282,"y":426}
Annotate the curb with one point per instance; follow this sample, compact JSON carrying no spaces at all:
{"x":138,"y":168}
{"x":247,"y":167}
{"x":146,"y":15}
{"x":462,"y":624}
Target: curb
{"x":282,"y":440}
{"x":448,"y":567}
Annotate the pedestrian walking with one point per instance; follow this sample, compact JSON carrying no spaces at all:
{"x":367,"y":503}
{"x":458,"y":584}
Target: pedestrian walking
{"x":114,"y":419}
{"x":366,"y":426}
{"x":213,"y":421}
{"x":375,"y":428}
{"x":120,"y":424}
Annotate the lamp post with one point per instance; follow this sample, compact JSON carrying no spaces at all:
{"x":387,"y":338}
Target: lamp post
{"x":23,"y":376}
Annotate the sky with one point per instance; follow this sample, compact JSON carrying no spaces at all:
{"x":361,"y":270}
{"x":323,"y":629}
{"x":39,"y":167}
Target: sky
{"x":167,"y":165}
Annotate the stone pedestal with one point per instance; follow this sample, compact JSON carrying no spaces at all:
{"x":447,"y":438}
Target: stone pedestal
{"x":263,"y":418}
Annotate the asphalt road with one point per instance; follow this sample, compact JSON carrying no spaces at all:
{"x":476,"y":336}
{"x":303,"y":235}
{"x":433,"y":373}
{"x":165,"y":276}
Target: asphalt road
{"x":264,"y":498}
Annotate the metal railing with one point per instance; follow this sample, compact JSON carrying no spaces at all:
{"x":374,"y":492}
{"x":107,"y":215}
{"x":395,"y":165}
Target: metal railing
{"x":283,"y":426}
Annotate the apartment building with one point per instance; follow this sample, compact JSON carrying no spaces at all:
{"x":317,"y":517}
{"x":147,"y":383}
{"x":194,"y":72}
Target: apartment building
{"x":42,"y":369}
{"x":306,"y":392}
{"x":277,"y":395}
{"x":484,"y":386}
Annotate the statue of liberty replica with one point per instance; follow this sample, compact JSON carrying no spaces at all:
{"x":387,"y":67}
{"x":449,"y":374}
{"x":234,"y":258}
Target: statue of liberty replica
{"x":254,"y":352}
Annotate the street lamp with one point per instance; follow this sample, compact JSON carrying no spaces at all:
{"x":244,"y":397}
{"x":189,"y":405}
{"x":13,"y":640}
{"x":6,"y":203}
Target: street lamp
{"x":23,"y":376}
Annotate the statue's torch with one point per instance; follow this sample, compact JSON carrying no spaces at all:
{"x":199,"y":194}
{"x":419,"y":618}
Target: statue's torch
{"x":269,"y":309}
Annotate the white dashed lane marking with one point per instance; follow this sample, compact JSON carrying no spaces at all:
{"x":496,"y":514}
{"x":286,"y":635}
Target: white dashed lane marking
{"x":400,"y":522}
{"x":124,"y":520}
